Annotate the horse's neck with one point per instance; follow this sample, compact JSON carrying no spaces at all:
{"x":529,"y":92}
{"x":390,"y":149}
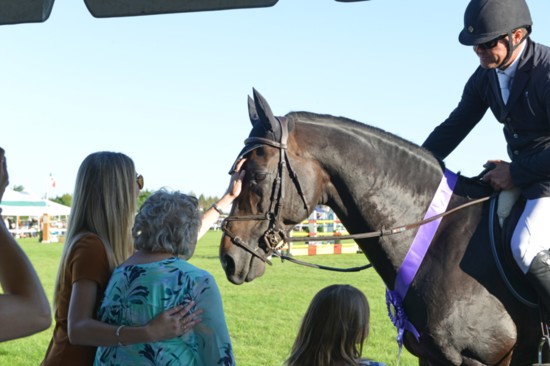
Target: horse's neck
{"x":376,"y":181}
{"x":384,"y":180}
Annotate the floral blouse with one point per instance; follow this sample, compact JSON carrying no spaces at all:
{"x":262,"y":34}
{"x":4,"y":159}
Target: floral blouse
{"x":370,"y":363}
{"x":138,"y":293}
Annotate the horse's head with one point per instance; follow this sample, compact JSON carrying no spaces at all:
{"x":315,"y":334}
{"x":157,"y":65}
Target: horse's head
{"x":279,"y":191}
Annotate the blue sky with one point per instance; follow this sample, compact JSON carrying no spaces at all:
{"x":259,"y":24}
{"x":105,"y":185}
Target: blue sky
{"x":170,"y":90}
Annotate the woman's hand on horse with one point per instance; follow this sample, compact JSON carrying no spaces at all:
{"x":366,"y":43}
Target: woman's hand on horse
{"x":236,"y":183}
{"x":499,"y":177}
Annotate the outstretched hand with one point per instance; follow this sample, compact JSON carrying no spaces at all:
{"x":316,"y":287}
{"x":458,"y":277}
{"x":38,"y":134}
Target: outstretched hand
{"x":232,"y":192}
{"x":236,"y":183}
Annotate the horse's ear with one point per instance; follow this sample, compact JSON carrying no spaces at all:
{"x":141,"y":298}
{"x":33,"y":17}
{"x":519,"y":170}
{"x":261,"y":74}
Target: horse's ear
{"x":265,"y":115}
{"x":254,"y":119}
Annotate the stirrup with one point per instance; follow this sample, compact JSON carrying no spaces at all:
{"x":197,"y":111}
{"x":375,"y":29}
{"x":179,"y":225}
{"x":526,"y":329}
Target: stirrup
{"x":545,"y":339}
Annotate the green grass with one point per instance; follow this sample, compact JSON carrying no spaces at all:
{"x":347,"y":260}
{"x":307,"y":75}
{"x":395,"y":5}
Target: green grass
{"x":262,"y":316}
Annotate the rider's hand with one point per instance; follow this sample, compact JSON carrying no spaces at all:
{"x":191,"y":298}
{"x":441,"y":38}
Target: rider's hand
{"x":499,"y":177}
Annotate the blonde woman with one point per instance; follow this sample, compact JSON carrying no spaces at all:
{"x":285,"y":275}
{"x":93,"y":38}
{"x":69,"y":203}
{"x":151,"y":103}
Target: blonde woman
{"x":98,"y":240}
{"x":333,"y":330}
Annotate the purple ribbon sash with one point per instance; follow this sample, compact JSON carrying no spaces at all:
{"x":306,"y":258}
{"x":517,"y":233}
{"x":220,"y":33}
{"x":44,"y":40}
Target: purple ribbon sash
{"x":415,"y":256}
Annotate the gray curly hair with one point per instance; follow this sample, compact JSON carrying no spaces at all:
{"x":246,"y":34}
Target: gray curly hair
{"x":168,"y":222}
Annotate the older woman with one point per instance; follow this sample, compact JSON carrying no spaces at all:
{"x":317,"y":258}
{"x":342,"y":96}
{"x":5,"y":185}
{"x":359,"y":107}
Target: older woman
{"x":158,"y":277}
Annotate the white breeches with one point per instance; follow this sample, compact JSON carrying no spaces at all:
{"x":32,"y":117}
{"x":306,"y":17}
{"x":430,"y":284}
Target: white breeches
{"x":532,"y":233}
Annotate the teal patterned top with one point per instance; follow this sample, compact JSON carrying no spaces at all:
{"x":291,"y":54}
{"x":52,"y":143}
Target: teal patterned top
{"x":137,"y":293}
{"x":370,"y":363}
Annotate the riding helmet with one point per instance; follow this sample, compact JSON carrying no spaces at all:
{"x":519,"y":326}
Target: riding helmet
{"x":485,"y":20}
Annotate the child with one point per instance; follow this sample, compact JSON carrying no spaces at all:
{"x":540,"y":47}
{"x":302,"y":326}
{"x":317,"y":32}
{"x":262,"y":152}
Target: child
{"x":333,"y":330}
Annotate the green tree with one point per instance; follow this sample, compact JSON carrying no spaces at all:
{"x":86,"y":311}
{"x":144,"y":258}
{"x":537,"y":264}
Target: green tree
{"x":65,"y":199}
{"x":18,"y":188}
{"x":143,"y":195}
{"x":205,"y":202}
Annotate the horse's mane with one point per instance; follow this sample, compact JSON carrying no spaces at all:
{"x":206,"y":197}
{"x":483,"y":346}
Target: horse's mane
{"x":364,"y":129}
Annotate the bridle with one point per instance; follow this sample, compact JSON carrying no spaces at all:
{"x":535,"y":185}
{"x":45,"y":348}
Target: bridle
{"x":275,"y":236}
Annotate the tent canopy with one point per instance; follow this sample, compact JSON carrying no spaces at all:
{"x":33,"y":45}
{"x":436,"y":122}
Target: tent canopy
{"x":34,"y":11}
{"x":25,"y":204}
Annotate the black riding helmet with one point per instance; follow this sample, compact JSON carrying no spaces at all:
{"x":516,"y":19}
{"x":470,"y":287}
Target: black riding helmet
{"x":485,"y":20}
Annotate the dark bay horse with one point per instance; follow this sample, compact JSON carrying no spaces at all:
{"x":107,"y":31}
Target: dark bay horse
{"x":459,"y":304}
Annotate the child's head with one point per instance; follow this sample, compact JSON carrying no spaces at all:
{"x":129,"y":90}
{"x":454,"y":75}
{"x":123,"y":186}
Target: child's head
{"x":168,"y":222}
{"x":333,"y":329}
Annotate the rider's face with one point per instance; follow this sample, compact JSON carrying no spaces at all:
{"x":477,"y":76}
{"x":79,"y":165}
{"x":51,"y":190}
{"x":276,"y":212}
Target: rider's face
{"x":492,"y":57}
{"x":492,"y":53}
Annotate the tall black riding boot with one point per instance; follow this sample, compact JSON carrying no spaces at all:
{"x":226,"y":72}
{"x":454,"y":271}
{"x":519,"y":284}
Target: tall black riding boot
{"x":539,"y":277}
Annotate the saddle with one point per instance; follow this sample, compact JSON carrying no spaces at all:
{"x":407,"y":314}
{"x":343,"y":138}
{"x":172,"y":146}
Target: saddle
{"x":507,"y":208}
{"x":510,"y":207}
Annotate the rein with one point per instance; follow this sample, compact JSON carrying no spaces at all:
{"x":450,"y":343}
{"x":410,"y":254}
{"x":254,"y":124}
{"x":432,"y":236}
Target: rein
{"x":392,"y":231}
{"x":373,"y":234}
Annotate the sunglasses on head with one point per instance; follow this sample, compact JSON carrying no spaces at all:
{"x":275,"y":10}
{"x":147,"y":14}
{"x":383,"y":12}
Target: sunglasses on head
{"x":139,"y":181}
{"x":491,"y":44}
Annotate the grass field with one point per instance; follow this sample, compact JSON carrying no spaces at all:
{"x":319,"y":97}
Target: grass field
{"x":263,"y":316}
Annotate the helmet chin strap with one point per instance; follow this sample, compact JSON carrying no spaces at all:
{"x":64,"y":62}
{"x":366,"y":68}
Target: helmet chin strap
{"x":511,"y":48}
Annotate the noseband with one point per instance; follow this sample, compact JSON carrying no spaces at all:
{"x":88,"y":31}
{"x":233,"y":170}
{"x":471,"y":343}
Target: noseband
{"x":275,"y":235}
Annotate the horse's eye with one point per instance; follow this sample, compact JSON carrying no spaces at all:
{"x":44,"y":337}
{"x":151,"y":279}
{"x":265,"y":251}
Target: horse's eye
{"x":258,"y":177}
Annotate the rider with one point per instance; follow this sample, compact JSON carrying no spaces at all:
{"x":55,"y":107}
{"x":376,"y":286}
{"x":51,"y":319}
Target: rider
{"x":499,"y":32}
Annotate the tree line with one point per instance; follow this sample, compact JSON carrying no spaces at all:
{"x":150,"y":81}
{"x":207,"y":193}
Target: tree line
{"x":67,"y":199}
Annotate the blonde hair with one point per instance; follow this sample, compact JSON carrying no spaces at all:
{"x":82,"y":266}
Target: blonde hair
{"x":333,"y":330}
{"x":104,"y":203}
{"x":168,"y":222}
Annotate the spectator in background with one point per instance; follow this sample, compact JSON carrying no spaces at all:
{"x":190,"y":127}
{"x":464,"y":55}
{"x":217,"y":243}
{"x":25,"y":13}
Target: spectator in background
{"x":158,"y":277}
{"x":333,"y":330}
{"x":24,"y":308}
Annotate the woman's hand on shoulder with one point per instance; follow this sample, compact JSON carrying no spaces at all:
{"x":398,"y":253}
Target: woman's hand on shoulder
{"x":173,"y":322}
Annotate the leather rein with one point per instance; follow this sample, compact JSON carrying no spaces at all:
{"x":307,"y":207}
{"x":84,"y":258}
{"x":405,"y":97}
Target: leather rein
{"x":276,"y":236}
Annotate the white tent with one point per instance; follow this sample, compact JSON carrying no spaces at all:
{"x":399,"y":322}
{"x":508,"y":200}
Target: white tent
{"x":25,"y":204}
{"x":16,"y":204}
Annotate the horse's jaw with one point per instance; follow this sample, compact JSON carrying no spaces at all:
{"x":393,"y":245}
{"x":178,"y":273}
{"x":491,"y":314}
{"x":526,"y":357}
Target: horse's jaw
{"x":239,"y":266}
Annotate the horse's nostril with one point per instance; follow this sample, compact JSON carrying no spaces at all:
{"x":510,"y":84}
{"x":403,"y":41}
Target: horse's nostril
{"x":228,"y":264}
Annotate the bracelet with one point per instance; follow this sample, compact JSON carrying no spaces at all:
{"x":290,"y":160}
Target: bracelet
{"x":117,"y":333}
{"x":217,"y":208}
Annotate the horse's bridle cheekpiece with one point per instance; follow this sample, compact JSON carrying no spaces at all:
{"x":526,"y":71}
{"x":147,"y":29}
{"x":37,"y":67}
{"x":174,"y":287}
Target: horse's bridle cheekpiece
{"x":275,"y":236}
